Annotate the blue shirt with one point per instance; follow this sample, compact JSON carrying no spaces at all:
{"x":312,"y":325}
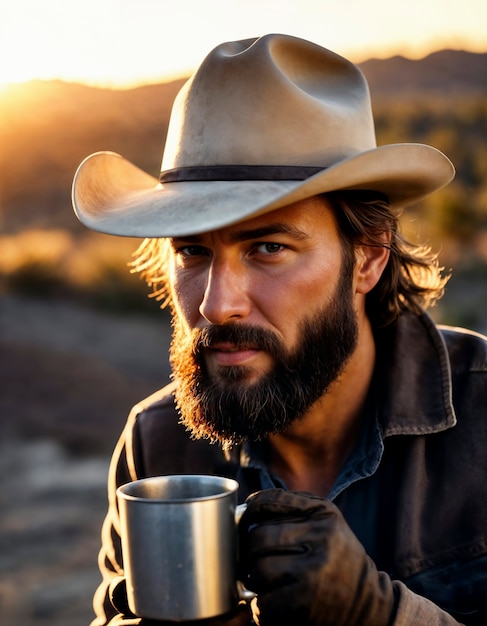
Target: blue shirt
{"x":360,"y":510}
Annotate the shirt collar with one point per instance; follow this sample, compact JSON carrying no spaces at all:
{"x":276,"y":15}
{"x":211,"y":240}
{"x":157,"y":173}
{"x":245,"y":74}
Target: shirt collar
{"x":411,"y":395}
{"x":413,"y":378}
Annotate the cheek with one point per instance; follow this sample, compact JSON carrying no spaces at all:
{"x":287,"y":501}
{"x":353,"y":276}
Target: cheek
{"x":317,"y":284}
{"x":186,"y":292}
{"x":287,"y":300}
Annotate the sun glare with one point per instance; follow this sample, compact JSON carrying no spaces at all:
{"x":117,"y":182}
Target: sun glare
{"x":127,"y":42}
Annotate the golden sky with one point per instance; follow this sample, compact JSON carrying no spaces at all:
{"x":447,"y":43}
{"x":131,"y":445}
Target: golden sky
{"x":127,"y":42}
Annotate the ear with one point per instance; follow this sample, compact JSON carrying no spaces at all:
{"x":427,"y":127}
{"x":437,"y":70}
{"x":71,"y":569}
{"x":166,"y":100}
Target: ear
{"x":370,"y":263}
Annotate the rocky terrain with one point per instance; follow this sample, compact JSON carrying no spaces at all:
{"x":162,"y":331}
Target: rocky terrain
{"x":68,"y":377}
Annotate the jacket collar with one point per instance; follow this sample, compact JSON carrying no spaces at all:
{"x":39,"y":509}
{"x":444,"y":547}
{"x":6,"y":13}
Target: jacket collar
{"x":413,"y":378}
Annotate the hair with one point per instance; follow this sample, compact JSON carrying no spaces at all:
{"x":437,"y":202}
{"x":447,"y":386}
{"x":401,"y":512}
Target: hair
{"x":411,"y":281}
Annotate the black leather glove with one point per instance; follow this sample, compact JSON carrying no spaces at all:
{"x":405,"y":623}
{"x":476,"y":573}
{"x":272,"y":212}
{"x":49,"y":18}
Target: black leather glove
{"x":306,"y":565}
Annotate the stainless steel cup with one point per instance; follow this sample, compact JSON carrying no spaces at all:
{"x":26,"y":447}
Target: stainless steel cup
{"x":179,"y":544}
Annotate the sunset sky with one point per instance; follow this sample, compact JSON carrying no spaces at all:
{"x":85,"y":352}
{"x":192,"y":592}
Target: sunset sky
{"x":125,"y":42}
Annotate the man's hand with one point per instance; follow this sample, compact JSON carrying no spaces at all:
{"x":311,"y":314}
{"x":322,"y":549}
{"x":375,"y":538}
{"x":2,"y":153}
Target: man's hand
{"x":306,"y":565}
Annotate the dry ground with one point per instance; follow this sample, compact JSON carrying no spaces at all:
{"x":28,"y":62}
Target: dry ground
{"x":68,"y":377}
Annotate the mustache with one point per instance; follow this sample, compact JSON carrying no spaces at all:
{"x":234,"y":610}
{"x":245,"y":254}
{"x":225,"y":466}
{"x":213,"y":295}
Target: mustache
{"x":241,"y":335}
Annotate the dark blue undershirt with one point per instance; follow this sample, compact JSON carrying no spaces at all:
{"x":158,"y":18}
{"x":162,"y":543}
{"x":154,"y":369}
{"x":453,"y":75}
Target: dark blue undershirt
{"x":354,"y":495}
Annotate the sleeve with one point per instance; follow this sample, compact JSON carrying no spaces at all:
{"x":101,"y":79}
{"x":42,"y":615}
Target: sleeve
{"x":414,"y":610}
{"x":124,"y":467}
{"x":152,"y":443}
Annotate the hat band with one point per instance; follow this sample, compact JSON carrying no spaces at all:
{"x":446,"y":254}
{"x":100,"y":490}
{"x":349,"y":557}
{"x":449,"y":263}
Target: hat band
{"x":238,"y":172}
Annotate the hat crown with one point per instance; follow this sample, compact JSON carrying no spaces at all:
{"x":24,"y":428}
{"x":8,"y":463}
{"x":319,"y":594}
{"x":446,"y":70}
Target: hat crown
{"x":274,"y":100}
{"x":263,"y":123}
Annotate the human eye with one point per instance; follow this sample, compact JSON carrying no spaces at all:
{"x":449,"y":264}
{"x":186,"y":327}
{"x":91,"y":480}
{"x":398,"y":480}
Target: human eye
{"x":185,"y":252}
{"x":191,"y":251}
{"x":187,"y":247}
{"x":268,"y":248}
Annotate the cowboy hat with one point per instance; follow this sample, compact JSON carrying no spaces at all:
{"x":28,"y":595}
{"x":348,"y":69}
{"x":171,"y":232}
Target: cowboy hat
{"x":261,"y":124}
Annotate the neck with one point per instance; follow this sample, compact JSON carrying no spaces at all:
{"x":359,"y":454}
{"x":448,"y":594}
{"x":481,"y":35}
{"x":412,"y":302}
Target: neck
{"x":308,"y":456}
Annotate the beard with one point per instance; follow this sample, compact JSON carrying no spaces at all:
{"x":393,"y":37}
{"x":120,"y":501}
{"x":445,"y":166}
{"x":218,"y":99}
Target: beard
{"x":226,"y":408}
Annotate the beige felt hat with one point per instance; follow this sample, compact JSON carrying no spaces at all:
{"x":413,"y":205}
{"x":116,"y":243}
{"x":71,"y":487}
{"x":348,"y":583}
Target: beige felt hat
{"x":261,"y":124}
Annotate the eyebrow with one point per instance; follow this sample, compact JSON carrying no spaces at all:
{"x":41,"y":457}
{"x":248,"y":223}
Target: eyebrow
{"x":256,"y":233}
{"x":270,"y":229}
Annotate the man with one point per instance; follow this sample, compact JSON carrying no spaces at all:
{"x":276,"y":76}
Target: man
{"x":355,"y":427}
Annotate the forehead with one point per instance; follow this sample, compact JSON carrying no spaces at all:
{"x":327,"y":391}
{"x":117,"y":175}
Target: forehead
{"x":311,"y":217}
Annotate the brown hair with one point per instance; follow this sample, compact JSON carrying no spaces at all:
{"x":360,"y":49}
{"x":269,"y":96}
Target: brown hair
{"x":412,"y":279}
{"x":151,"y":261}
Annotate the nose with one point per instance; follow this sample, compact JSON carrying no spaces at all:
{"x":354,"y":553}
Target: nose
{"x":226,"y":295}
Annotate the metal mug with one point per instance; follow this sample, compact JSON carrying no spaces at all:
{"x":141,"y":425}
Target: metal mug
{"x":179,"y":545}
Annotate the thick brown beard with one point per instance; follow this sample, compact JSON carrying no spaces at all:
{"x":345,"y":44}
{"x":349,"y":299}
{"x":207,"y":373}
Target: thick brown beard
{"x":227,"y":409}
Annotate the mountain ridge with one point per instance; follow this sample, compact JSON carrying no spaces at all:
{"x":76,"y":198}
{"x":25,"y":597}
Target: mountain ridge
{"x":447,"y":64}
{"x":48,"y":127}
{"x":447,"y":72}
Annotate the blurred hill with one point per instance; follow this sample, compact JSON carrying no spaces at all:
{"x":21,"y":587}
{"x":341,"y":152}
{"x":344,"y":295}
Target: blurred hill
{"x":77,"y":347}
{"x":47,"y":128}
{"x":447,"y":73}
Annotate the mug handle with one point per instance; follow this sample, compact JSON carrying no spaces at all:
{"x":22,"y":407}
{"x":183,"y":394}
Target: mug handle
{"x":243,"y":593}
{"x":239,"y":511}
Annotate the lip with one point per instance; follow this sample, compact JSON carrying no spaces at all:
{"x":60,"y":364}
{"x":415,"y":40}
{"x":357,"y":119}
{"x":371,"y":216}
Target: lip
{"x":228,"y":354}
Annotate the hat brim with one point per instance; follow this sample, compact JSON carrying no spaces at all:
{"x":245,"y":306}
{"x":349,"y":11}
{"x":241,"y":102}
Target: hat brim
{"x":111,"y":195}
